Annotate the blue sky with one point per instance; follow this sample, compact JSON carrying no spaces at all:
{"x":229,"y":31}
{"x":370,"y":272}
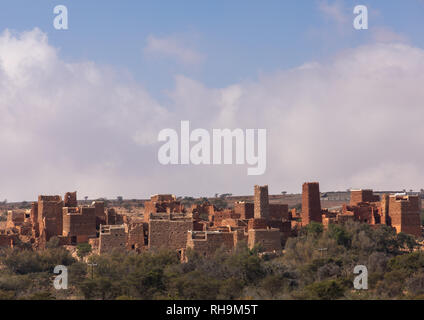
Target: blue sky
{"x":82,"y":108}
{"x":239,"y":39}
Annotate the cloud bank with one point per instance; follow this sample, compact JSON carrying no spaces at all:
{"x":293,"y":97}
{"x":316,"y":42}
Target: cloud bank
{"x":173,"y":48}
{"x":354,"y":120}
{"x":334,"y":11}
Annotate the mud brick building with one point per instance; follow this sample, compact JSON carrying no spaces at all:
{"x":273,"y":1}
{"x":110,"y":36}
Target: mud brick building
{"x":19,"y":222}
{"x":261,"y":202}
{"x":162,"y":204}
{"x":384,"y":210}
{"x":99,"y":212}
{"x":260,"y":232}
{"x":279,"y":212}
{"x":311,"y":203}
{"x":244,"y":209}
{"x":404,"y":212}
{"x":218,"y":216}
{"x":363,"y":212}
{"x":168,"y":231}
{"x":366,"y":195}
{"x":207,"y":242}
{"x":252,"y":223}
{"x":7,"y":240}
{"x":202,"y":209}
{"x":110,"y":238}
{"x":202,"y":228}
{"x":112,"y":217}
{"x":70,"y":199}
{"x":138,"y":236}
{"x":15,"y":218}
{"x":399,"y":211}
{"x":269,"y":240}
{"x":79,"y":223}
{"x":50,"y":216}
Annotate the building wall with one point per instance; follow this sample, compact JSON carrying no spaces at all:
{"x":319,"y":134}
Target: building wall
{"x":384,"y":209}
{"x":219,"y":216}
{"x":163,"y":197}
{"x":244,"y":209}
{"x":405,"y":214}
{"x":112,"y":237}
{"x":205,"y":209}
{"x":268,"y":239}
{"x":366,"y":195}
{"x":206,"y":243}
{"x":99,"y":208}
{"x":361,"y":212}
{"x":70,"y":199}
{"x":50,"y":215}
{"x":279,"y":211}
{"x":171,"y":234}
{"x":112,"y":217}
{"x":79,"y":222}
{"x":311,"y":203}
{"x":137,"y":236}
{"x":240,"y":237}
{"x":261,"y":202}
{"x":257,"y":224}
{"x":162,"y":204}
{"x":15,"y":218}
{"x":6,"y":241}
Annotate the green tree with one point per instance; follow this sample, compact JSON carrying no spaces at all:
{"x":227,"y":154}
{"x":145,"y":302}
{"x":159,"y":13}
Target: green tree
{"x":313,"y":229}
{"x":83,"y":249}
{"x":340,"y":234}
{"x":325,"y":290}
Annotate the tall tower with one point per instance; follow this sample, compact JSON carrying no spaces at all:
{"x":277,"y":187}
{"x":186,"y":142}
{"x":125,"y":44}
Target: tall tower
{"x":261,"y":210}
{"x":70,"y":199}
{"x":311,"y":203}
{"x":405,"y":214}
{"x":362,"y":195}
{"x":50,"y":216}
{"x":385,"y":217}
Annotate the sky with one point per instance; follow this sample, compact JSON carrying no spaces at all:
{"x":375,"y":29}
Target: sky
{"x":82,"y":108}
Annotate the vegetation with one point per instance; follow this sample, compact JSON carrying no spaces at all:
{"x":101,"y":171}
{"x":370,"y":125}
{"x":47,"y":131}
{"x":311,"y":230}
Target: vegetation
{"x":187,"y":201}
{"x":318,"y":264}
{"x":422,"y":217}
{"x":219,"y":203}
{"x":24,"y":205}
{"x":83,"y":249}
{"x":3,"y":216}
{"x":297,"y":206}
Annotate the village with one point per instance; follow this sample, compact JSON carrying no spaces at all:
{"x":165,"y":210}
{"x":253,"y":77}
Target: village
{"x":166,"y":223}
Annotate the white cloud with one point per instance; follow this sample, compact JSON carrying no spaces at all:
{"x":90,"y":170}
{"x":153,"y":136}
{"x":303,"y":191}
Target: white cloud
{"x":174,"y":48}
{"x":65,"y":123}
{"x":334,"y":11}
{"x":384,"y":34}
{"x":353,"y":121}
